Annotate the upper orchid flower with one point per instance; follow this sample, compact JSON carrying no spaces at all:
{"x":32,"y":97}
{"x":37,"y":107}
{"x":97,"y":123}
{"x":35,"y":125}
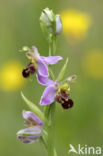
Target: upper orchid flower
{"x":39,"y":63}
{"x":33,"y":132}
{"x":55,"y":92}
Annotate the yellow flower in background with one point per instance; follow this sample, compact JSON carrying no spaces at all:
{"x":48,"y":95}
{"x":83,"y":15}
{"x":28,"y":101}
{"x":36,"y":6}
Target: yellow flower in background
{"x":11,"y":76}
{"x":75,"y":24}
{"x":93,"y":64}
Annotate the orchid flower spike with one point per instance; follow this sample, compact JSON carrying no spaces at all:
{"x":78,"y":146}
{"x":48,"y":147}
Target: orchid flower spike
{"x":55,"y":92}
{"x":39,"y":63}
{"x":34,"y":130}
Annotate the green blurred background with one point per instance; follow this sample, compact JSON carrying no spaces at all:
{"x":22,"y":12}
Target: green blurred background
{"x":83,"y":124}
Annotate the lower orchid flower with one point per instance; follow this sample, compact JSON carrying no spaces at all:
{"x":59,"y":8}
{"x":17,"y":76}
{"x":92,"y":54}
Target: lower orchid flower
{"x":55,"y":92}
{"x":39,"y":63}
{"x":34,"y":130}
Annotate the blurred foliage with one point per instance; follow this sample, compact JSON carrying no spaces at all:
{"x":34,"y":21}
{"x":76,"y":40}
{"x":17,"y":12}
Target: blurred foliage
{"x":82,"y":124}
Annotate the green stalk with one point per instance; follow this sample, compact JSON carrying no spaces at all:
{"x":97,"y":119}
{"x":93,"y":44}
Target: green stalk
{"x":49,"y":110}
{"x":51,"y":130}
{"x":52,"y":46}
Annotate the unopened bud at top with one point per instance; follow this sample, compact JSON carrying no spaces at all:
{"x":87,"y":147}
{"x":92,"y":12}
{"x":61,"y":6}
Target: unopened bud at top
{"x":59,"y":26}
{"x":47,"y":17}
{"x":50,"y":23}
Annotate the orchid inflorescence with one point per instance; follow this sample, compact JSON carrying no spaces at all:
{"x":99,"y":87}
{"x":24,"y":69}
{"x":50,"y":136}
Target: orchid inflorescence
{"x":40,"y":124}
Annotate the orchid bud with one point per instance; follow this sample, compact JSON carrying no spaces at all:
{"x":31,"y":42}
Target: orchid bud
{"x":47,"y":22}
{"x":31,"y":119}
{"x":34,"y":130}
{"x":59,"y":27}
{"x":47,"y":17}
{"x":51,"y":24}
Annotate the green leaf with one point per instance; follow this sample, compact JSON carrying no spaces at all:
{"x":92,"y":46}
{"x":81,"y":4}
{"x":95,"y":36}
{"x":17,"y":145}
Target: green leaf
{"x":63,"y":70}
{"x":33,"y":107}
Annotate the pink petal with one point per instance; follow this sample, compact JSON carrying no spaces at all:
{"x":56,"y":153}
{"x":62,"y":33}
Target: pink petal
{"x":51,"y":59}
{"x":42,"y":68}
{"x":28,"y":115}
{"x":44,"y":80}
{"x":29,"y":135}
{"x":48,"y":96}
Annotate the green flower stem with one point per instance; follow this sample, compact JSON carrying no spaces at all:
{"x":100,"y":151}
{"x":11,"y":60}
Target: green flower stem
{"x":52,"y":46}
{"x":51,"y":126}
{"x":49,"y":110}
{"x":50,"y":116}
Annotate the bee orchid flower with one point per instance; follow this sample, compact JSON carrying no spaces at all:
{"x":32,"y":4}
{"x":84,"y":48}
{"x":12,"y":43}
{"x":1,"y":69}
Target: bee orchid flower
{"x":39,"y":63}
{"x":55,"y":92}
{"x":34,"y":130}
